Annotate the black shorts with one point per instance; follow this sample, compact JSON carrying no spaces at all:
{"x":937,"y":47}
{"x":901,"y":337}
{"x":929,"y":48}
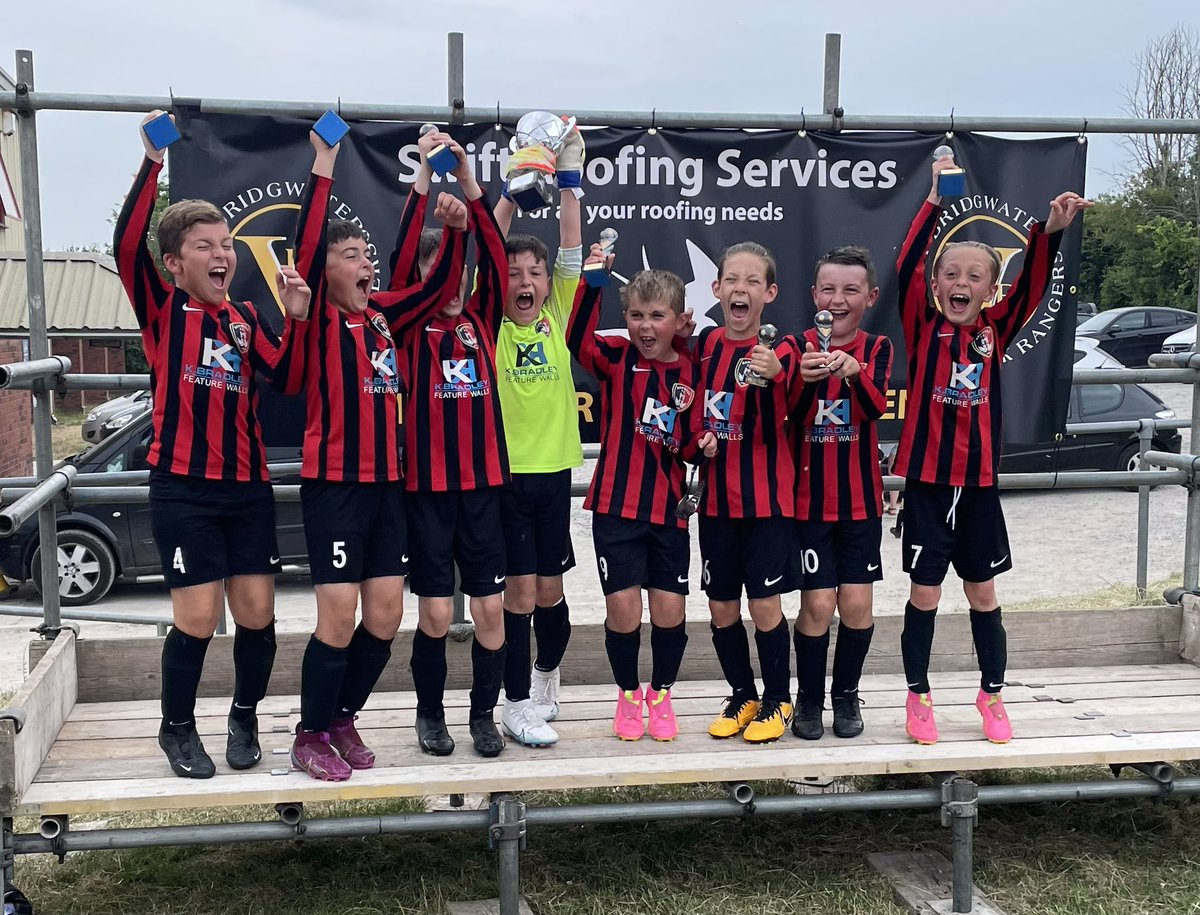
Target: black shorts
{"x":750,"y":553}
{"x":832,"y":553}
{"x":640,"y":554}
{"x":946,"y":524}
{"x":210,"y":530}
{"x":536,"y":514}
{"x":455,"y":528}
{"x":354,"y":531}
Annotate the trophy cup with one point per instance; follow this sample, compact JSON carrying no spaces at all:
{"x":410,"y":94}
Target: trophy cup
{"x":531,"y":181}
{"x":953,"y":181}
{"x":824,"y":325}
{"x":766,"y":337}
{"x":441,"y":158}
{"x":597,"y":275}
{"x":693,"y":492}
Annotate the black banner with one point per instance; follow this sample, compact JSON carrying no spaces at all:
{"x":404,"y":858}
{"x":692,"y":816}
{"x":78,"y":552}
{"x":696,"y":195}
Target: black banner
{"x":678,"y":198}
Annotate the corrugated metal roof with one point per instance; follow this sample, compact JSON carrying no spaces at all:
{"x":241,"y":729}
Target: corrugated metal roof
{"x":83,"y":295}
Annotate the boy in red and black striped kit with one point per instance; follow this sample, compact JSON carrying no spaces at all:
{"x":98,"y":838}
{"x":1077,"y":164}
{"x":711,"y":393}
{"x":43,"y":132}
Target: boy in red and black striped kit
{"x":839,"y":501}
{"x":950,"y":447}
{"x":746,"y":517}
{"x":352,"y":486}
{"x":648,"y":427}
{"x":456,"y":462}
{"x":211,"y":507}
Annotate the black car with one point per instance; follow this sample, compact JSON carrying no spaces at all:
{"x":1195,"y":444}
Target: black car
{"x":1132,"y":335}
{"x":100,"y":544}
{"x":1094,"y":403}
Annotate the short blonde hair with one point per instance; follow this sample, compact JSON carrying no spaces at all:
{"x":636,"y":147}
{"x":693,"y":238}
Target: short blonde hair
{"x":654,"y":286}
{"x":181,"y":216}
{"x":991,"y":252}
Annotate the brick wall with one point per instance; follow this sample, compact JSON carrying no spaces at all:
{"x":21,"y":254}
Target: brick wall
{"x":90,"y":357}
{"x":16,"y":421}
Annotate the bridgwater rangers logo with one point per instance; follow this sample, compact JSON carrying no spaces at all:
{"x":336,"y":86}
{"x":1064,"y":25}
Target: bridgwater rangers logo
{"x":241,"y":336}
{"x":682,"y":396}
{"x":466,"y":334}
{"x":543,"y":327}
{"x":379,"y":322}
{"x":1005,"y":226}
{"x":741,"y":372}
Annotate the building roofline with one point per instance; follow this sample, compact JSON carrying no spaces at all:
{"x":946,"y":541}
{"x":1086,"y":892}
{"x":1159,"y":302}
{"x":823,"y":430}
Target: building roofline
{"x":7,"y":83}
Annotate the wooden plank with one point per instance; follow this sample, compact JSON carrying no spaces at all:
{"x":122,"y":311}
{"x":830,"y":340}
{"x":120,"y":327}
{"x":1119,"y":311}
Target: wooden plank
{"x":527,"y":771}
{"x":47,"y":698}
{"x":129,"y":669}
{"x":923,"y":882}
{"x":484,"y":907}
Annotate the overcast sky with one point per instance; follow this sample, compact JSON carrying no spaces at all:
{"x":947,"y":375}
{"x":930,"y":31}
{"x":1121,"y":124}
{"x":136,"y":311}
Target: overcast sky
{"x":1023,"y":57}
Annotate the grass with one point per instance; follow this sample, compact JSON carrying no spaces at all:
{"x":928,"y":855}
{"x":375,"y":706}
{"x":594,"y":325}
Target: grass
{"x":65,"y":433}
{"x":1099,"y":858}
{"x":1112,"y":597}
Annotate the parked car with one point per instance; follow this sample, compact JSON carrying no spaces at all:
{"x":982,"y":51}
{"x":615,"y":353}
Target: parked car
{"x":1133,"y":334}
{"x":116,"y":414}
{"x":1182,"y":342}
{"x":1088,"y":355}
{"x":101,"y":544}
{"x":1093,"y":403}
{"x":1083,"y":311}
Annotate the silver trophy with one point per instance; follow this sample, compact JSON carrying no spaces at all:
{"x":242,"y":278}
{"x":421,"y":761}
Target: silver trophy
{"x":532,"y":189}
{"x":953,"y":181}
{"x":824,"y":325}
{"x":693,"y":492}
{"x":597,"y":275}
{"x":766,"y":337}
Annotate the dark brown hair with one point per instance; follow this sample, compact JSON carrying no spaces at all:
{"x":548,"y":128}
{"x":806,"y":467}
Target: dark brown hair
{"x":848,"y":256}
{"x":179,"y":217}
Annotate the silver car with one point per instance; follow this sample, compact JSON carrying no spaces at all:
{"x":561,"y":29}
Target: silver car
{"x":117,"y":413}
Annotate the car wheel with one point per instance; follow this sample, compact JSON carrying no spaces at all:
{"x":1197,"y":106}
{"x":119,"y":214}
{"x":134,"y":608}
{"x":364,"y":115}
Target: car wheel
{"x":1128,"y":460}
{"x":86,"y":568}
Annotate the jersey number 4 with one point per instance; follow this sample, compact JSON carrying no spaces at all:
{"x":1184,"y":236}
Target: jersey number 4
{"x":177,"y":562}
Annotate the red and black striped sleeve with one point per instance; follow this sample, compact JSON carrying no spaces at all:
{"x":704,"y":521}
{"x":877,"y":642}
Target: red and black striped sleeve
{"x":405,"y":308}
{"x":915,"y":307}
{"x":591,"y":350}
{"x":491,"y":273}
{"x":869,"y":387}
{"x":135,"y":265}
{"x":405,"y":262}
{"x":1012,"y":312}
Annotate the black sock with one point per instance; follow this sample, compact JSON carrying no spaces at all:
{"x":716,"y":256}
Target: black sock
{"x":182,"y":663}
{"x":775,"y":661}
{"x":428,"y":666}
{"x":253,"y":658}
{"x":516,"y":659}
{"x":848,"y":658}
{"x":623,"y":649}
{"x":916,"y":643}
{"x":666,"y":651}
{"x":552,"y":628}
{"x":487,"y":673}
{"x":321,"y":675}
{"x":812,"y":654}
{"x":991,"y":647}
{"x":733,"y":651}
{"x":368,"y":657}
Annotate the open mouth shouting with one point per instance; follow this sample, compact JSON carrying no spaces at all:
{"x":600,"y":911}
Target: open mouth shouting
{"x":524,"y":303}
{"x":958,"y":303}
{"x":219,"y":277}
{"x":739,"y":309}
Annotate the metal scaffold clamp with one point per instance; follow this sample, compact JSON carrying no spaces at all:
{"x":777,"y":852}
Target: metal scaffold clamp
{"x":960,"y":800}
{"x":508,"y":821}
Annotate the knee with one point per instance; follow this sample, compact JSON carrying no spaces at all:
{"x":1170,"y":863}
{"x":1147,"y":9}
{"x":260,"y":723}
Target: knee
{"x":766,"y":612}
{"x":925,"y":597}
{"x":549,"y":591}
{"x":815,"y":616}
{"x":335,"y":630}
{"x":981,"y":595}
{"x":724,"y":612}
{"x":519,"y":593}
{"x":434,"y":616}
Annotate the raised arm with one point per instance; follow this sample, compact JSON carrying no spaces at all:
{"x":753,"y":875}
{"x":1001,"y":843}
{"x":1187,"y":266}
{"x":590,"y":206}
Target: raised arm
{"x":594,"y":352}
{"x":405,"y":261}
{"x":135,"y":264}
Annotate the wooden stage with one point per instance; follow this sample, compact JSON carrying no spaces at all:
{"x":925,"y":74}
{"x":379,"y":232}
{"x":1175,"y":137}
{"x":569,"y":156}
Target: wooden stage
{"x":106,"y":758}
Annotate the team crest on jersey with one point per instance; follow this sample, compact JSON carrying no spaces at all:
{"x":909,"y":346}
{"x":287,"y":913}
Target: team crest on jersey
{"x":681,"y":396}
{"x":543,"y":327}
{"x":741,"y":372}
{"x":241,"y":336}
{"x":379,"y":322}
{"x":984,"y":343}
{"x":466,"y":333}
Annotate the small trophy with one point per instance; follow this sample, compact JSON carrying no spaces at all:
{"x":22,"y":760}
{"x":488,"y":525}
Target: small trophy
{"x":824,"y":325}
{"x":953,"y":181}
{"x":766,"y":337}
{"x":441,"y":158}
{"x":161,"y":132}
{"x":597,"y":275}
{"x":331,"y":128}
{"x":693,"y":492}
{"x":532,"y":188}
